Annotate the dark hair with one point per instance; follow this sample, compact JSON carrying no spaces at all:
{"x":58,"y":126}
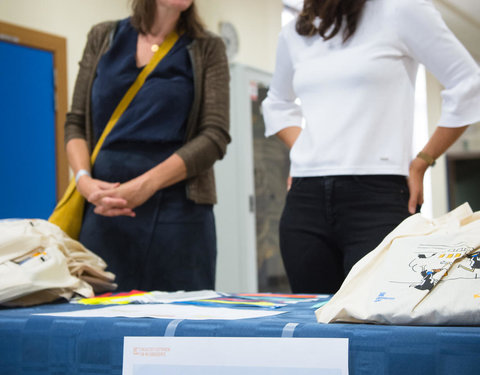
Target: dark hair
{"x":332,"y":14}
{"x":143,"y":16}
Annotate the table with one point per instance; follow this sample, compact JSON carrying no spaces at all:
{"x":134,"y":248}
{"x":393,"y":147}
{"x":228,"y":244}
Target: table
{"x":36,"y":345}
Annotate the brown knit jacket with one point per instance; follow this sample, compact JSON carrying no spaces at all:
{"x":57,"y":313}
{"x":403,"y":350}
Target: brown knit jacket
{"x":208,"y":122}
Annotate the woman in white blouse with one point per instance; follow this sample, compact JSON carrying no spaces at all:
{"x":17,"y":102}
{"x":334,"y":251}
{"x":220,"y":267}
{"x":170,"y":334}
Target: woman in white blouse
{"x":352,"y":64}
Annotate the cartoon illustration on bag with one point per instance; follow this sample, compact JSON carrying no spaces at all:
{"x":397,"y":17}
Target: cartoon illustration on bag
{"x":433,"y":266}
{"x":425,"y":272}
{"x":428,"y":282}
{"x":430,"y":266}
{"x":474,"y":262}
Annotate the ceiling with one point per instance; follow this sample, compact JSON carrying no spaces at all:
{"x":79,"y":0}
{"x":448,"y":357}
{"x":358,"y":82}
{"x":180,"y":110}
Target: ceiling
{"x":470,"y":7}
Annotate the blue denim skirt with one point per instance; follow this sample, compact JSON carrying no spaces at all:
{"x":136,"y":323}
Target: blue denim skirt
{"x":170,"y":244}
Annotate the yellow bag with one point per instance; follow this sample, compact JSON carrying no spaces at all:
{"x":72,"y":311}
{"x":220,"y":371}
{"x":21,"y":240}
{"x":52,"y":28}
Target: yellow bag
{"x":68,"y":213}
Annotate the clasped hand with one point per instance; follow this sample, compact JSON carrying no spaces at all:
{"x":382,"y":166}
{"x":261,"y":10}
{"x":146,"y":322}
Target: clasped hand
{"x":114,"y":199}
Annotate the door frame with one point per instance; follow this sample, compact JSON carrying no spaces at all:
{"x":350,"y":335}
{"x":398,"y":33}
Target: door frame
{"x":58,"y":47}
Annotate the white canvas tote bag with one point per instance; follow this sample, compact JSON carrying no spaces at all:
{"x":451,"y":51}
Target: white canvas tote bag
{"x":425,"y":272}
{"x":39,"y":263}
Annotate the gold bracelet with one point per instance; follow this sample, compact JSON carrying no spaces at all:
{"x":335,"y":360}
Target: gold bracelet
{"x":427,"y":158}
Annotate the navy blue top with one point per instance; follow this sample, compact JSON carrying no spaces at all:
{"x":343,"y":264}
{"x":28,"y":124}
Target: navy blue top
{"x":157,"y":115}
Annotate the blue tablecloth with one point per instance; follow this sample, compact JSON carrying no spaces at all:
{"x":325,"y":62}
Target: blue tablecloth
{"x":35,"y":345}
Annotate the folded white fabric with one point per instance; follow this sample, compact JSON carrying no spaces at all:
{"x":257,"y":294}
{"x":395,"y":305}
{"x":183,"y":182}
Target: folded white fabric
{"x":425,"y":272}
{"x":39,"y":263}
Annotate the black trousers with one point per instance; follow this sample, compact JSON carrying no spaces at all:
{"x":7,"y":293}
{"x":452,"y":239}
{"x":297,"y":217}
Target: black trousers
{"x":329,"y":223}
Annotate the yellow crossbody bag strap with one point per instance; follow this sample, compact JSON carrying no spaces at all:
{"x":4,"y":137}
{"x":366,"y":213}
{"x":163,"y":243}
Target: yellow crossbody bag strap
{"x":164,"y":48}
{"x":68,"y":213}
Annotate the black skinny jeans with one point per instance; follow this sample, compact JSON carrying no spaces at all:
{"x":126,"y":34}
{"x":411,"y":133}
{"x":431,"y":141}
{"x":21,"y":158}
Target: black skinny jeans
{"x":329,"y":223}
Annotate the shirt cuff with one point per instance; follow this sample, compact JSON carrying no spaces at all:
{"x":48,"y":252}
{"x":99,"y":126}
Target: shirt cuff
{"x":279,"y":115}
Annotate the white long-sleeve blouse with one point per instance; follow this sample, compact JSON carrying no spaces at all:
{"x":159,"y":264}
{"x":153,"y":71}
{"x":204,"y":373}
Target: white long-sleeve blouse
{"x":357,"y":97}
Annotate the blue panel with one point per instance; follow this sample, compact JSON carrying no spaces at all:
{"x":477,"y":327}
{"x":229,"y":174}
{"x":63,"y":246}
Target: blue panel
{"x":27,"y":132}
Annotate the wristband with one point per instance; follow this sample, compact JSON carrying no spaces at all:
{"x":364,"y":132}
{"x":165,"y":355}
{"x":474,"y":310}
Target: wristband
{"x":427,"y":158}
{"x":80,"y":173}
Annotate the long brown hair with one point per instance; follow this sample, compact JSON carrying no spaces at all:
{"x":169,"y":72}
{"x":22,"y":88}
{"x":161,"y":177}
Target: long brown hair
{"x":332,"y":14}
{"x":143,"y":16}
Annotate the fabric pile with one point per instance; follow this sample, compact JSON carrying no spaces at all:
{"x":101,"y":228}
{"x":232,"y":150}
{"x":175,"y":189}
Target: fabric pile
{"x":39,"y":263}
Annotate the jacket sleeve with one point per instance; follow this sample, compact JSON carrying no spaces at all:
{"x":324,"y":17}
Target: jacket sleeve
{"x":279,"y":108}
{"x":428,"y":40}
{"x":75,"y":124}
{"x":211,"y":136}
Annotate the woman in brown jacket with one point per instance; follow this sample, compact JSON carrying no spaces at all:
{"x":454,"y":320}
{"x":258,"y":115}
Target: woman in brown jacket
{"x":151,"y":190}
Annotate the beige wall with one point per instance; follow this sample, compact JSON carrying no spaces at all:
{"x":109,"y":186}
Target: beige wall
{"x":70,"y":19}
{"x":257,"y":22}
{"x":439,"y":172}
